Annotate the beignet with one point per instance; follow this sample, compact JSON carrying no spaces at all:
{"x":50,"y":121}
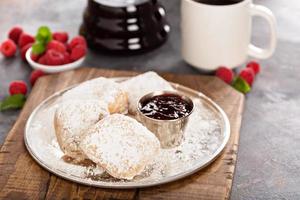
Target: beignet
{"x":71,"y":120}
{"x":120,"y":145}
{"x":102,"y":89}
{"x":141,"y":85}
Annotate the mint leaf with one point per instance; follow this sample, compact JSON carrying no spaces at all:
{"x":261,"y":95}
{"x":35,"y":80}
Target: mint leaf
{"x":241,"y":85}
{"x":43,"y":35}
{"x":12,"y":102}
{"x":38,"y":48}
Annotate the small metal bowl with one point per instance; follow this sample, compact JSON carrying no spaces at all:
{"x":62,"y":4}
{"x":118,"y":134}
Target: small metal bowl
{"x":169,"y":132}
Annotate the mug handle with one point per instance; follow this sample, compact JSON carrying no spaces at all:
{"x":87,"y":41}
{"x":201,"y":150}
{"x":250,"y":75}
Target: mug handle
{"x":254,"y":51}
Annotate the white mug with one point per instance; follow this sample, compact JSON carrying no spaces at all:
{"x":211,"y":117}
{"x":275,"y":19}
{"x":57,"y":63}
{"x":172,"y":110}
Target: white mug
{"x":214,"y":35}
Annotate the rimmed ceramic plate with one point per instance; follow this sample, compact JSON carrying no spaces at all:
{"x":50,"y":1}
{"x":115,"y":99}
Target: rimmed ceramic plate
{"x":206,"y":135}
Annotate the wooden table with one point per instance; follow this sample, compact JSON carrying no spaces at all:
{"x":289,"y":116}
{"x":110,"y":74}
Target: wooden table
{"x":268,"y":159}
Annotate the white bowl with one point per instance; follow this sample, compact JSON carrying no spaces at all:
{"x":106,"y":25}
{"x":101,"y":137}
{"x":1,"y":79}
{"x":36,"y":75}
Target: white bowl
{"x":53,"y":68}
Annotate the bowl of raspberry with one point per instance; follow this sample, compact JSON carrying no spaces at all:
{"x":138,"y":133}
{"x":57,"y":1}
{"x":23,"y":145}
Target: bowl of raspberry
{"x":58,"y":54}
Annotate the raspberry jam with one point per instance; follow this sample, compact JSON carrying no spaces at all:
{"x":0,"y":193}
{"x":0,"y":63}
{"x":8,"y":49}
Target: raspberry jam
{"x":166,"y":107}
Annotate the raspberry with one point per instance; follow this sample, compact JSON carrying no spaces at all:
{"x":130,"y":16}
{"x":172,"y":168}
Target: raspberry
{"x":35,"y":75}
{"x":24,"y":49}
{"x":61,"y":36}
{"x":225,"y":74}
{"x":34,"y":57}
{"x":43,"y":60}
{"x":25,"y":39}
{"x":68,"y":47}
{"x":67,"y":58}
{"x":8,"y":48}
{"x":248,"y":75}
{"x":78,"y":40}
{"x":17,"y":87}
{"x":56,"y":45}
{"x":54,"y":57}
{"x":14,"y":33}
{"x":78,"y":52}
{"x":255,"y":66}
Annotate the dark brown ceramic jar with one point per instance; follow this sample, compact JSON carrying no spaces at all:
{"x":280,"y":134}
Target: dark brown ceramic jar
{"x":124,"y":26}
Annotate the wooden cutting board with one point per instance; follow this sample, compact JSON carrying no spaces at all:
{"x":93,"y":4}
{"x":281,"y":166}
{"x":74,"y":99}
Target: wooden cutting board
{"x":22,"y":178}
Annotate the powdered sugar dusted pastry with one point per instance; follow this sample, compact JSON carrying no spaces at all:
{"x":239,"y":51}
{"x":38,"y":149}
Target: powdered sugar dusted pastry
{"x":71,"y":120}
{"x":120,"y":145}
{"x":102,"y":89}
{"x":143,"y":84}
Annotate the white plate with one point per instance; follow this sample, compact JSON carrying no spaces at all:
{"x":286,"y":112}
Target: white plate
{"x":206,"y":135}
{"x":52,"y":69}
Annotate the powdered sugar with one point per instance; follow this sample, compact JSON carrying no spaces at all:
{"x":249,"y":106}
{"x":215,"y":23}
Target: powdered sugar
{"x":72,"y":119}
{"x":121,"y":144}
{"x":101,"y":88}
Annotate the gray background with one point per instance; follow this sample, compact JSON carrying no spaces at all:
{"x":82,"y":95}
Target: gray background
{"x":269,"y":154}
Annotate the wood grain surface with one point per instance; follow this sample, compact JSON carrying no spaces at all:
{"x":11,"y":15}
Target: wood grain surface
{"x":22,"y":178}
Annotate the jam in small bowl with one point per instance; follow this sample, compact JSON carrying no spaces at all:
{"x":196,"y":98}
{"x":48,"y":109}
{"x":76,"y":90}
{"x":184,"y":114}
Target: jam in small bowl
{"x":165,"y":113}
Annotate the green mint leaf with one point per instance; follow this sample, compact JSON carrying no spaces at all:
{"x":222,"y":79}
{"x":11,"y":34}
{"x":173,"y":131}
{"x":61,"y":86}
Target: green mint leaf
{"x":13,"y":102}
{"x":241,"y":85}
{"x":38,"y":48}
{"x":43,"y":35}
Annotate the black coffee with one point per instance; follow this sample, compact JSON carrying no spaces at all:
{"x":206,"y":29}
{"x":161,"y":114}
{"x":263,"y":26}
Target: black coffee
{"x":219,"y":2}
